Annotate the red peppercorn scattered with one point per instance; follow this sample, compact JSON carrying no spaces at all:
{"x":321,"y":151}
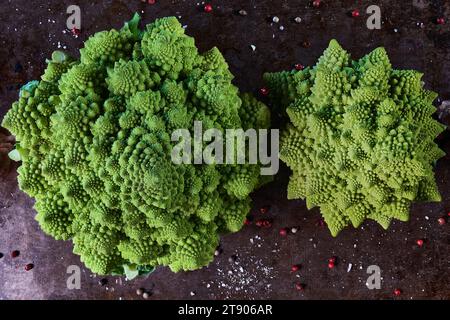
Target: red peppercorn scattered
{"x":75,"y":31}
{"x":440,"y":20}
{"x":264,"y":91}
{"x":448,"y":214}
{"x":295,"y":268}
{"x":264,"y":209}
{"x":330,"y":265}
{"x":332,"y":260}
{"x":29,"y":266}
{"x":247,"y":222}
{"x":283,"y":232}
{"x":419,"y":242}
{"x":208,"y":8}
{"x":15,"y":253}
{"x":299,"y":66}
{"x":267,"y":224}
{"x":151,"y":1}
{"x":263,"y":223}
{"x":355,"y":13}
{"x":306,"y":44}
{"x":441,"y":221}
{"x":397,"y":292}
{"x":299,"y":286}
{"x":316,"y":3}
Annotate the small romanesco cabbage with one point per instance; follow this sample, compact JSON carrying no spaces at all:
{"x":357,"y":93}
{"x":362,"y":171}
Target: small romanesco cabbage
{"x":95,"y":139}
{"x":360,"y":143}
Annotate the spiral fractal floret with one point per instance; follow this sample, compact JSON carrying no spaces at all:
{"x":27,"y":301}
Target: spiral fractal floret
{"x":94,"y":136}
{"x":361,"y":139}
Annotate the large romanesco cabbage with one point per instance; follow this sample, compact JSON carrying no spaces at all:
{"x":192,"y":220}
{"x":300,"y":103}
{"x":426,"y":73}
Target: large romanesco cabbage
{"x":95,"y":139}
{"x":360,"y":144}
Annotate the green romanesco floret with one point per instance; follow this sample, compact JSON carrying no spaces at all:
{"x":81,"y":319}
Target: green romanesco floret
{"x":94,"y":135}
{"x":360,"y":143}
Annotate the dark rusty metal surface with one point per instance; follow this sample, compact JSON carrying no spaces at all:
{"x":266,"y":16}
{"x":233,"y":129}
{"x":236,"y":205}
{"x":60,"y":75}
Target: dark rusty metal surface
{"x":31,"y":30}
